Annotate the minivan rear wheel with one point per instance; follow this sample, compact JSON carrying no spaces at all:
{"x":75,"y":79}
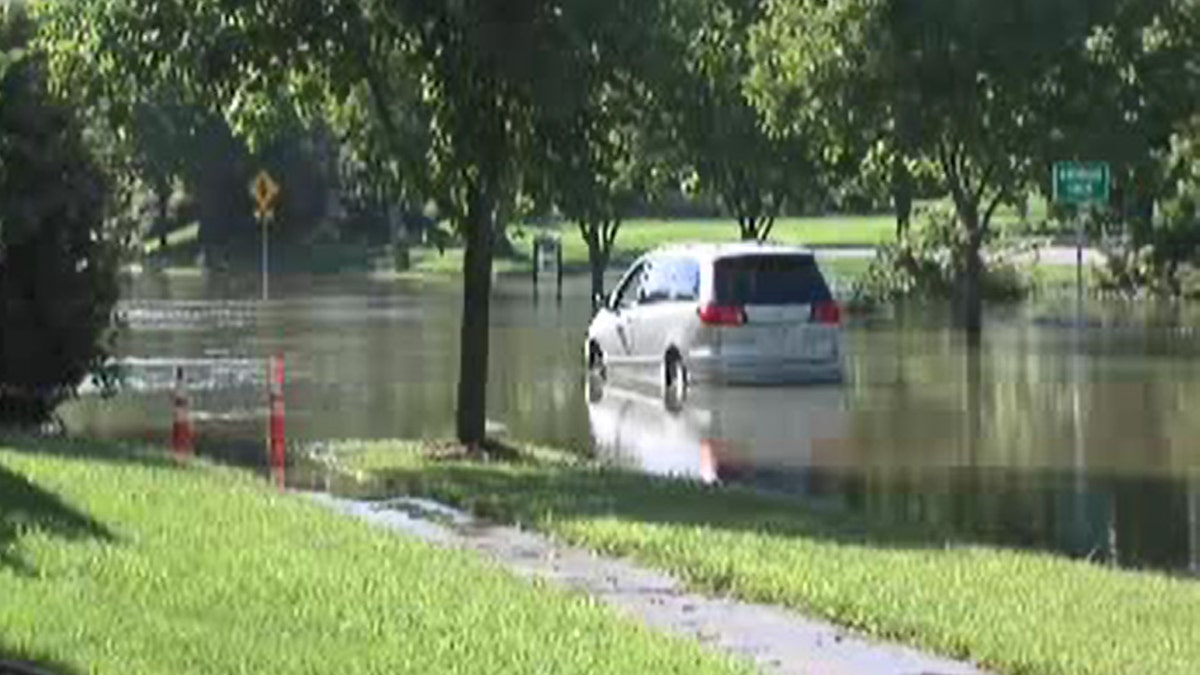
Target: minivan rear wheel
{"x":675,"y":377}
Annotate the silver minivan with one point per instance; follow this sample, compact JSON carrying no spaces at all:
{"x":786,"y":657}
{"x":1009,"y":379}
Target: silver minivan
{"x":731,"y":313}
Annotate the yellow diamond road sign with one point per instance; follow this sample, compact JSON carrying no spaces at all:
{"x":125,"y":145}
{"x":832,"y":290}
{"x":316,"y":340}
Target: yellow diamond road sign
{"x":266,"y":191}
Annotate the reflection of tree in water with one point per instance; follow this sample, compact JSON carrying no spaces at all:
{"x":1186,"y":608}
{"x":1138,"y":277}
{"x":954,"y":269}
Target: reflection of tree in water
{"x":1035,"y":455}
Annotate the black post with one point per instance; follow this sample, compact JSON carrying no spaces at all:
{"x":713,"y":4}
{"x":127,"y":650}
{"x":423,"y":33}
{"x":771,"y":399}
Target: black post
{"x":535,"y":269}
{"x":558,"y":264}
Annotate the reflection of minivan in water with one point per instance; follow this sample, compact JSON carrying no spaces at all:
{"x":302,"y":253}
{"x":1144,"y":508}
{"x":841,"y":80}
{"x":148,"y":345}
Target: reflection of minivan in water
{"x":734,"y":313}
{"x":773,"y":438}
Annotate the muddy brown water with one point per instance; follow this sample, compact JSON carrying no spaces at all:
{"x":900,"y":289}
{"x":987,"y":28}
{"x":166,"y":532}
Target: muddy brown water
{"x":1081,"y":437}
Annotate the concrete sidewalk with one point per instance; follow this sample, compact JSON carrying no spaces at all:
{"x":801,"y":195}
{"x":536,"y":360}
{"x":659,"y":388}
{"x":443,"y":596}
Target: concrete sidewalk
{"x":774,"y":639}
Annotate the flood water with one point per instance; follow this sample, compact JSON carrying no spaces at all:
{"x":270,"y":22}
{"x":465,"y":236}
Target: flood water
{"x":1078,"y":439}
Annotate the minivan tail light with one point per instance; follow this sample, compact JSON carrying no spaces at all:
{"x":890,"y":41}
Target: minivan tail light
{"x":827,"y":312}
{"x":722,"y":315}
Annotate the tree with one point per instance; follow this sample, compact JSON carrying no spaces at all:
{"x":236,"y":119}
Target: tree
{"x":755,"y":173}
{"x":987,"y":78}
{"x":495,"y":81}
{"x":58,"y":268}
{"x":1132,"y":90}
{"x":610,"y":159}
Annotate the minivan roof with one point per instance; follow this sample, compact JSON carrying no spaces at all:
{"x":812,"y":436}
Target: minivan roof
{"x":709,"y":251}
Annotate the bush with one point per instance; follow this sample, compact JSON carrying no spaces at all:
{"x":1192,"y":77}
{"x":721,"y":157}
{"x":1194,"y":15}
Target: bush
{"x":930,"y":260}
{"x":1163,"y":259}
{"x":58,"y":279}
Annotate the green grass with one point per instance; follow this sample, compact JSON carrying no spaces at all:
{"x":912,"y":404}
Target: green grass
{"x":1063,"y":276}
{"x":117,"y":562}
{"x":1015,"y":611}
{"x":638,"y":236}
{"x":431,"y":262}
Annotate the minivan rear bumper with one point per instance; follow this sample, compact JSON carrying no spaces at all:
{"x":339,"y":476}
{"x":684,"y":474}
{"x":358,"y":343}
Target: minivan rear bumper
{"x":706,"y":367}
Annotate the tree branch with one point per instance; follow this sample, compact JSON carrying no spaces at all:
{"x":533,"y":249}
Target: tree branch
{"x":990,"y":210}
{"x":948,"y":159}
{"x":984,"y":179}
{"x":614,"y":226}
{"x":766,"y":231}
{"x":588,"y":231}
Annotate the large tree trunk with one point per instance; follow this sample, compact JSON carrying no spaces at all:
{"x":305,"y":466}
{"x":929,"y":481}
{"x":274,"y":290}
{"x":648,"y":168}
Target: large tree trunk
{"x":747,"y":228}
{"x":598,"y":260}
{"x":902,"y":198}
{"x":473,"y":348}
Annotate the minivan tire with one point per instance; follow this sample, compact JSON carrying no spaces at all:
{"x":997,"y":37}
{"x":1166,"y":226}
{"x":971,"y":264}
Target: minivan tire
{"x":675,"y":377}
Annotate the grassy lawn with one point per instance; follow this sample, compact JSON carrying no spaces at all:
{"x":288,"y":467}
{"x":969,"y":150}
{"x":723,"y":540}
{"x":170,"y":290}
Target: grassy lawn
{"x":1063,"y":276}
{"x":638,"y":236}
{"x":430,"y":262}
{"x":1015,"y":611}
{"x":118,"y":562}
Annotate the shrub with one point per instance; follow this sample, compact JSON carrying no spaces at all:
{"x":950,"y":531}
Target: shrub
{"x":58,"y":279}
{"x":930,"y":260}
{"x":1163,"y":259}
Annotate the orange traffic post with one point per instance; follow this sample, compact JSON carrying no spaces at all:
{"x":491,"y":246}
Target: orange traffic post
{"x":181,"y":427}
{"x":275,"y":423}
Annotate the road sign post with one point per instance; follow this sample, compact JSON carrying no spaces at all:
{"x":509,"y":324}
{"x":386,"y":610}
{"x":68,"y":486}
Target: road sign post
{"x":266,"y":192}
{"x":1081,"y":185}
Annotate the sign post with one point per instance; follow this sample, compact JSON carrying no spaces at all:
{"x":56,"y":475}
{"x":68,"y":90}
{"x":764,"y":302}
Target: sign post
{"x":266,"y":192}
{"x":1081,"y":185}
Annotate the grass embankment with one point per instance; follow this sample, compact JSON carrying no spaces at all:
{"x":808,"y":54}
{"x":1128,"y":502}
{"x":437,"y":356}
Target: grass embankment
{"x":1018,"y":612}
{"x":116,"y":562}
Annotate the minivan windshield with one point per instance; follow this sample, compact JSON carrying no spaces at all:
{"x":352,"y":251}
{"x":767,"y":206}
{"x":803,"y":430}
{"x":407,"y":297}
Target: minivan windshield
{"x":769,"y":280}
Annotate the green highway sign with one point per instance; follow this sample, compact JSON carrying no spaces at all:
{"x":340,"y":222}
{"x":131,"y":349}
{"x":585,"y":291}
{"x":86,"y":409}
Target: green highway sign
{"x":1079,"y":183}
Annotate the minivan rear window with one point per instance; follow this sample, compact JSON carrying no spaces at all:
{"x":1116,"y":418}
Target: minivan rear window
{"x":769,"y":280}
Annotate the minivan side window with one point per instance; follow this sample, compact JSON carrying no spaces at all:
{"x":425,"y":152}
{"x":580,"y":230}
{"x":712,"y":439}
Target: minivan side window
{"x":630,"y":292}
{"x":671,"y":280}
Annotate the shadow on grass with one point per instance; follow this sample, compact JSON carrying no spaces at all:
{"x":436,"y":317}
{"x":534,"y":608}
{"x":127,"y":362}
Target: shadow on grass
{"x":530,"y":493}
{"x":19,"y":662}
{"x":86,"y":449}
{"x":25,"y":507}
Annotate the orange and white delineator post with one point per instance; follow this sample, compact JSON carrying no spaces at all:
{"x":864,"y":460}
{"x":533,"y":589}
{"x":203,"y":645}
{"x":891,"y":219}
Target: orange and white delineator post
{"x":182,"y":433}
{"x":275,"y":422}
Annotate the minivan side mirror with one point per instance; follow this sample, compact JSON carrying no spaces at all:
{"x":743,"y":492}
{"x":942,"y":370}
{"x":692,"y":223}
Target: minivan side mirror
{"x":599,"y":301}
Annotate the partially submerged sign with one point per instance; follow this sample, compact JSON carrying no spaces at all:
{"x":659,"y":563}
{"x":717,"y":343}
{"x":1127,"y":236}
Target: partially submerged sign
{"x":1081,"y":183}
